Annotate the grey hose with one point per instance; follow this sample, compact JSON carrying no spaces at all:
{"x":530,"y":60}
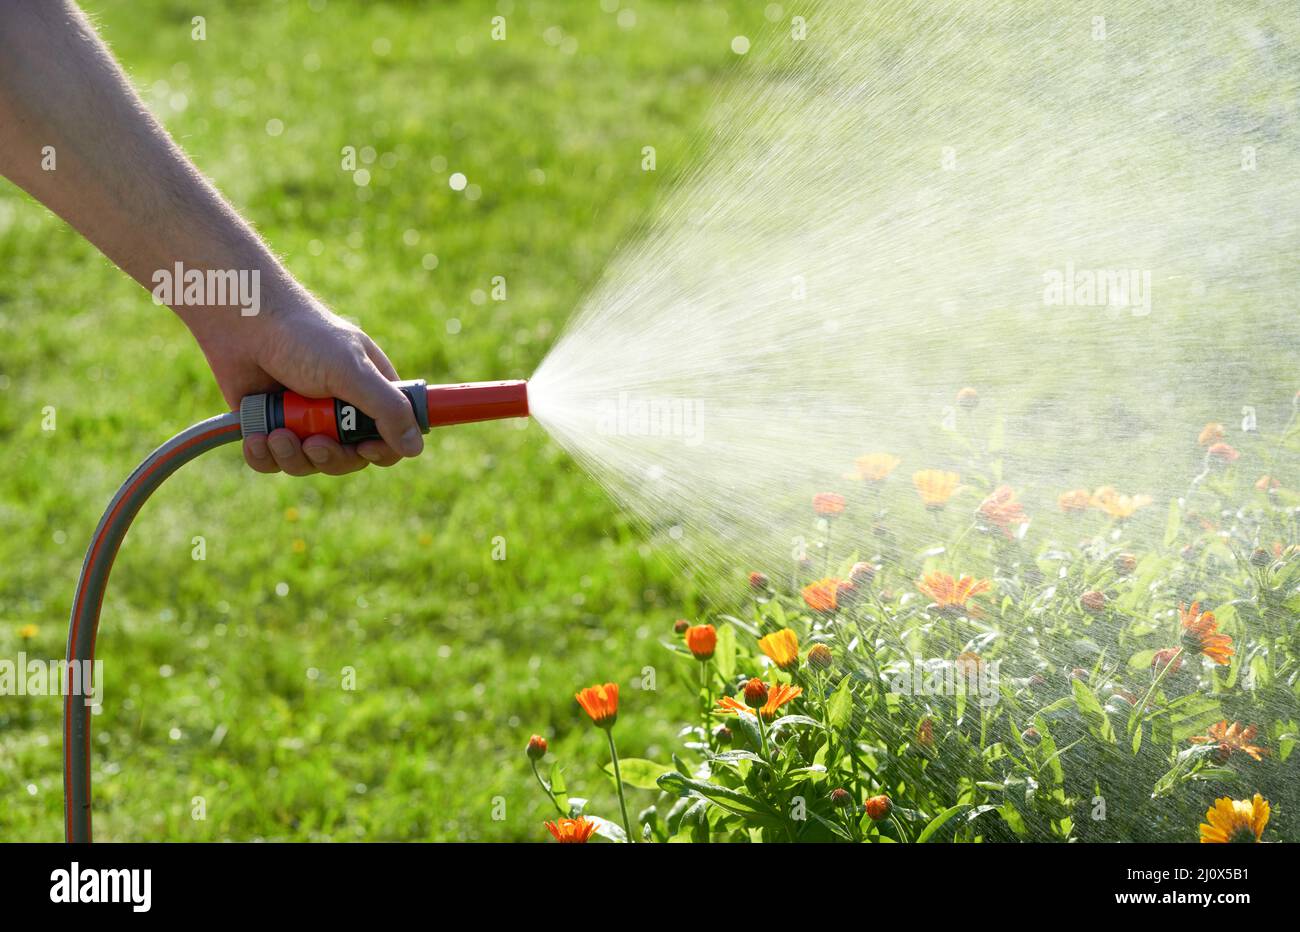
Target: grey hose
{"x":84,"y":625}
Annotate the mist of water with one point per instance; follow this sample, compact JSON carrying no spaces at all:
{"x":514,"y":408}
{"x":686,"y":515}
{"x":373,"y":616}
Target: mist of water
{"x":912,"y":197}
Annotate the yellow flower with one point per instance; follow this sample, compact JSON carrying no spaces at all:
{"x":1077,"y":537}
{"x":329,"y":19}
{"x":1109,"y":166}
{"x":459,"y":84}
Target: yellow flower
{"x":1233,"y":820}
{"x":935,"y":486}
{"x":874,"y":467}
{"x":1116,"y":505}
{"x":782,"y":647}
{"x":27,"y":632}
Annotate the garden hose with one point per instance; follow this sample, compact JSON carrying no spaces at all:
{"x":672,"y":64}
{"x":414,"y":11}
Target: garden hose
{"x":434,"y":406}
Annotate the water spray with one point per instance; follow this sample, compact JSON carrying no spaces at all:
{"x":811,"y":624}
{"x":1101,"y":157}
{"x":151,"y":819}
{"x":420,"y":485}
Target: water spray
{"x":433,"y":405}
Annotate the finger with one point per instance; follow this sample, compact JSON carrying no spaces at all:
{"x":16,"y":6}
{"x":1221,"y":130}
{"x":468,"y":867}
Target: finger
{"x":331,"y":457}
{"x":288,"y":453}
{"x":258,"y":456}
{"x":381,"y":361}
{"x":378,"y":452}
{"x":365,"y":386}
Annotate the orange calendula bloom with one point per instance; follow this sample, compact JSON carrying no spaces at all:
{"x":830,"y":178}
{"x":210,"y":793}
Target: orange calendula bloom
{"x":1074,"y":501}
{"x":1211,"y":433}
{"x":1233,"y":820}
{"x":1230,"y":739}
{"x":782,"y":647}
{"x":1001,"y":510}
{"x":828,"y":504}
{"x":949,"y":593}
{"x":874,"y":467}
{"x":1116,"y":505}
{"x":778,"y":694}
{"x":571,"y":831}
{"x":1223,"y":453}
{"x":935,"y":486}
{"x":822,"y":595}
{"x":1201,"y":635}
{"x":601,"y":703}
{"x":701,"y":640}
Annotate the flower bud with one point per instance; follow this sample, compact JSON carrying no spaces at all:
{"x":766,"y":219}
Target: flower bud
{"x":536,"y":749}
{"x":1260,"y":557}
{"x":758,"y":582}
{"x":820,"y":657}
{"x":1163,"y":658}
{"x":879,"y":807}
{"x":862,"y":573}
{"x":968,"y":398}
{"x":1125,"y":564}
{"x":680,"y":626}
{"x":841,"y":798}
{"x":1093,"y":601}
{"x":755,"y":693}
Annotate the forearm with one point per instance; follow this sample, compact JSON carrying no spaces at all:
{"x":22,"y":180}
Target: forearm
{"x":117,"y":177}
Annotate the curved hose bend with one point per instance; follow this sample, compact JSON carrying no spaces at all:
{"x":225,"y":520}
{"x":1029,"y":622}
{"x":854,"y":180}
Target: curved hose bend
{"x":84,"y":625}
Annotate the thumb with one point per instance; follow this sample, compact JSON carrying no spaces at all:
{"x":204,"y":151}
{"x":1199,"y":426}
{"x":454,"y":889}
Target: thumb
{"x":368,"y":389}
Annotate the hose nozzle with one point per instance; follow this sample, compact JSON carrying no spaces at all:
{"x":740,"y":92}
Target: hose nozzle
{"x":433,"y":406}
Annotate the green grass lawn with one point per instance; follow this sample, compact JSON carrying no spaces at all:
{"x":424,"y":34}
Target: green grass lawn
{"x":223,"y":676}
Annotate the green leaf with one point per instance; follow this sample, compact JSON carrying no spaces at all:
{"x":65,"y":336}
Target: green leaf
{"x":1172,"y":523}
{"x":729,"y":799}
{"x":607,"y":829}
{"x":724,"y":654}
{"x":939,"y":821}
{"x":787,"y":720}
{"x":639,"y":772}
{"x":839,"y":707}
{"x":1093,"y":713}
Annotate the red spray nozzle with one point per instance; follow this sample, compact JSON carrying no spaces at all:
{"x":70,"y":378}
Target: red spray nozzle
{"x":476,"y":401}
{"x":434,"y":406}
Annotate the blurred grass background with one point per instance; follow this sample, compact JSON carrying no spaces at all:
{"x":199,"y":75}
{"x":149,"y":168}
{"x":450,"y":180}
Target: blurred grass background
{"x":223,"y":676}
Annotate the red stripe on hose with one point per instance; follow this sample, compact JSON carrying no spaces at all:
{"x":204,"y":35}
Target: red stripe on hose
{"x":76,"y":615}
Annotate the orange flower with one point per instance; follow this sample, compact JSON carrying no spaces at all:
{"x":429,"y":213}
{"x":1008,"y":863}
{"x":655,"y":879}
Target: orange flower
{"x":828,"y":504}
{"x":968,"y":663}
{"x":1116,"y":505}
{"x":879,"y":807}
{"x":949,"y":593}
{"x":935,"y":486}
{"x":571,"y":831}
{"x":601,"y":703}
{"x":874,"y":467}
{"x":1230,"y":820}
{"x":1200,"y":634}
{"x":1223,"y":453}
{"x":1211,"y":433}
{"x":1267,"y":484}
{"x":782,"y":647}
{"x":1074,"y":501}
{"x":701,"y":639}
{"x":822,"y":595}
{"x":968,"y":398}
{"x":1231,"y":738}
{"x":1002,"y":510}
{"x":777,"y":695}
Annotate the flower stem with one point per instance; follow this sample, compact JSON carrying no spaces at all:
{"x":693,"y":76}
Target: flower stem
{"x":547,"y":789}
{"x":618,"y":781}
